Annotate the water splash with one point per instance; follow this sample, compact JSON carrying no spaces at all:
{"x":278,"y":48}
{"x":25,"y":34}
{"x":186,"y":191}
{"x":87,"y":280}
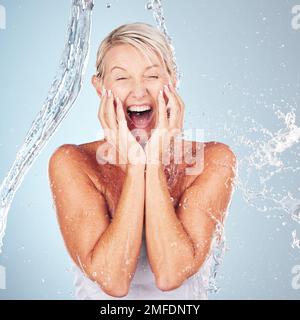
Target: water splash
{"x":160,"y":19}
{"x":271,"y":158}
{"x":296,"y":241}
{"x":266,"y":161}
{"x":63,"y":93}
{"x":268,"y":152}
{"x":205,"y":281}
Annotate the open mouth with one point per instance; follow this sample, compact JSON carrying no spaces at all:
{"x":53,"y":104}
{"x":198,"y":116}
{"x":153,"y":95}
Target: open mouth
{"x":140,"y":116}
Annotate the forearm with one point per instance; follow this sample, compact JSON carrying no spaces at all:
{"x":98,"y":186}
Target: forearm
{"x":115,"y":255}
{"x":170,"y":250}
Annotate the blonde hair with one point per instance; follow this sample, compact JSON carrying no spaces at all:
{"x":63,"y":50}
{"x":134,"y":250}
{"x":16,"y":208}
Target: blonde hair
{"x":143,"y":37}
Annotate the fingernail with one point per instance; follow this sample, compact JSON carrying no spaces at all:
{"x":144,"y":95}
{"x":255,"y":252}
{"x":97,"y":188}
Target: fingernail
{"x":160,"y":92}
{"x":166,"y":87}
{"x":104,"y":91}
{"x":109,"y":93}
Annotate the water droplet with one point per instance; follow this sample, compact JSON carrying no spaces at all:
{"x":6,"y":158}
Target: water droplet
{"x":185,"y":203}
{"x":149,"y":5}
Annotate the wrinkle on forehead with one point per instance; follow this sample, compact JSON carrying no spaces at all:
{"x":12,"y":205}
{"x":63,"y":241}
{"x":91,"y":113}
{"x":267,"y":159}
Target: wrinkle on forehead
{"x":124,"y":55}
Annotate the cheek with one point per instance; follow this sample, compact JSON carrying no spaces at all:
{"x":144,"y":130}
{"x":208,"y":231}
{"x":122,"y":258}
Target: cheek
{"x":155,"y":86}
{"x":119,"y":90}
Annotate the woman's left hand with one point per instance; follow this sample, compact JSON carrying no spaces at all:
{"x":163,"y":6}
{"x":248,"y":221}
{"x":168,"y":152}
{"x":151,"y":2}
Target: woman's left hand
{"x":169,"y":124}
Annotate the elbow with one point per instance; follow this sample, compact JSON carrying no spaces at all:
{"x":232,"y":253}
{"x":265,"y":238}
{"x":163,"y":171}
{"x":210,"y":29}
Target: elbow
{"x":167,"y":283}
{"x":170,"y":281}
{"x":112,"y":286}
{"x":116,"y":291}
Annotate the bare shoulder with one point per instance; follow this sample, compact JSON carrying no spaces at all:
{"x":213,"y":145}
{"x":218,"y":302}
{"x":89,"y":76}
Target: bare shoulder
{"x":64,"y":151}
{"x":211,"y":148}
{"x":66,"y":156}
{"x":219,"y":154}
{"x":82,"y":156}
{"x":80,"y":163}
{"x":65,"y":166}
{"x":219,"y":148}
{"x":212,"y":153}
{"x":218,"y":164}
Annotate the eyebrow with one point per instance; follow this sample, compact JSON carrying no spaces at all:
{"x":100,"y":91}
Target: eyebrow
{"x":149,"y":67}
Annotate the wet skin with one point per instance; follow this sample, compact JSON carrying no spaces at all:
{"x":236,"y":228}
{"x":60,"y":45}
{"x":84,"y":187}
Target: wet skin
{"x":102,"y":209}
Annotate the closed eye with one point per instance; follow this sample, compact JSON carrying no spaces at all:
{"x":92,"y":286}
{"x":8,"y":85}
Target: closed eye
{"x":153,"y":77}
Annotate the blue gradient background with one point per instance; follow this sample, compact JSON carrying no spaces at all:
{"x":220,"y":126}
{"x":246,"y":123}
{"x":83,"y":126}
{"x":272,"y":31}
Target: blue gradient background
{"x":224,"y":49}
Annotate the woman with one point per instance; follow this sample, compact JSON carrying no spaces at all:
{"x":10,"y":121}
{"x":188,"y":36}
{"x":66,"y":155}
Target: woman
{"x":138,"y":226}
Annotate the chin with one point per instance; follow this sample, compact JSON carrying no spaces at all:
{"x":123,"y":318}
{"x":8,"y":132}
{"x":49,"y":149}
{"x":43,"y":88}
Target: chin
{"x":141,"y":134}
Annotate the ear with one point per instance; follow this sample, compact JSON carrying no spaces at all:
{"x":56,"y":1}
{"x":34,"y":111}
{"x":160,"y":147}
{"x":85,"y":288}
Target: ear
{"x":97,"y":83}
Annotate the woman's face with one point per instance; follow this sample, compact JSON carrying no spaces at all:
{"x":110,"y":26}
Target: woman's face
{"x":136,"y":81}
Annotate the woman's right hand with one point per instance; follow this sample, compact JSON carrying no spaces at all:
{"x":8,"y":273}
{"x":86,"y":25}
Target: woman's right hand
{"x":116,"y":132}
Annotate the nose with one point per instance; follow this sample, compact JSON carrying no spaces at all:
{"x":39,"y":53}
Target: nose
{"x":139,"y":90}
